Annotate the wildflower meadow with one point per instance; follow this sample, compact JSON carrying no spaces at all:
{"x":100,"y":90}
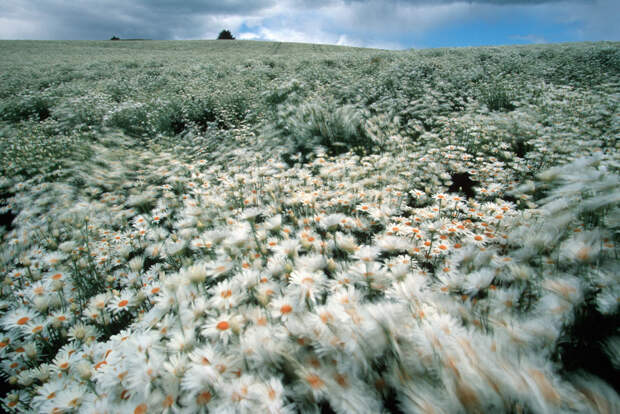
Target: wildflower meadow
{"x":259,"y":227}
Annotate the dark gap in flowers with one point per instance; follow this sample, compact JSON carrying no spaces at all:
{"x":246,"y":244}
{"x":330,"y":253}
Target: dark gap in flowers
{"x":462,"y":182}
{"x":6,"y":218}
{"x":326,"y":408}
{"x":580,"y":347}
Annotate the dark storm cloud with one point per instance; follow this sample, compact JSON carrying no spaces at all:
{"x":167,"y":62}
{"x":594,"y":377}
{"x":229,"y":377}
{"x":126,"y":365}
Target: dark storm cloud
{"x":92,"y":19}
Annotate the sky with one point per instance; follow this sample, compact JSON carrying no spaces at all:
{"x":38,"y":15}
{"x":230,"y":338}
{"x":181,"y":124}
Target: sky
{"x":384,"y":24}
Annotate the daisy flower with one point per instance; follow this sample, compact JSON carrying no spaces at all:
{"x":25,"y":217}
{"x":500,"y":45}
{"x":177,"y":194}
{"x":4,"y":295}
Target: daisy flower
{"x":283,"y":307}
{"x":121,"y":303}
{"x":367,"y":253}
{"x":288,"y":248}
{"x":218,"y":268}
{"x":226,"y":295}
{"x":476,"y":239}
{"x":221,"y":328}
{"x":33,"y":327}
{"x":47,"y":393}
{"x":312,"y":262}
{"x":196,"y":273}
{"x":313,"y":382}
{"x":583,"y":248}
{"x":65,"y":359}
{"x":18,"y":318}
{"x":345,"y":242}
{"x":393,"y":244}
{"x":332,"y":221}
{"x":265,"y":291}
{"x":306,"y":286}
{"x":54,"y":259}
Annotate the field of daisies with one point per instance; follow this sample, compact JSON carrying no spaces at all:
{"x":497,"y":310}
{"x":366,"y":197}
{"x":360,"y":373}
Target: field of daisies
{"x":257,"y":227}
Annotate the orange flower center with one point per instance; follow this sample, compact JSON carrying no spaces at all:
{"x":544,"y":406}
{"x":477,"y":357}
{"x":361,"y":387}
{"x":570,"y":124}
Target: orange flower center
{"x":203,"y":398}
{"x":141,"y":409}
{"x":168,"y":401}
{"x":582,"y":254}
{"x":222,"y":326}
{"x":314,"y":381}
{"x":285,"y":309}
{"x":272,"y":394}
{"x":341,"y":379}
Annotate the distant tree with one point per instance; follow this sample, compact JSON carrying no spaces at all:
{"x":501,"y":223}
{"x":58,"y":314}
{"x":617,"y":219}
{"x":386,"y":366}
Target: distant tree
{"x":115,"y":38}
{"x":225,"y":35}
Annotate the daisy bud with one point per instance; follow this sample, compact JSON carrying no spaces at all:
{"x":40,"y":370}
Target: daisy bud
{"x":36,"y":275}
{"x":41,"y":303}
{"x":331,"y":265}
{"x":84,"y":370}
{"x":30,"y":350}
{"x":136,"y":264}
{"x":140,"y":297}
{"x":57,"y":285}
{"x":196,"y":273}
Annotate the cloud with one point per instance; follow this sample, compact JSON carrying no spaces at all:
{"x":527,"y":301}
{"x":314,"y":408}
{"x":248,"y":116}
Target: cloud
{"x":599,"y":22}
{"x":370,"y":23}
{"x":92,"y":19}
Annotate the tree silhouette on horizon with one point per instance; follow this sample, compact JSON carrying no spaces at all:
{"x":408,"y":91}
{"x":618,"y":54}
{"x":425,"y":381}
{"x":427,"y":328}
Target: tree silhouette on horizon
{"x":225,"y":35}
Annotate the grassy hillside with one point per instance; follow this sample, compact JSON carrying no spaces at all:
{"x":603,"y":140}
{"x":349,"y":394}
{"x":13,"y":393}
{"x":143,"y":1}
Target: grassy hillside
{"x":239,"y":226}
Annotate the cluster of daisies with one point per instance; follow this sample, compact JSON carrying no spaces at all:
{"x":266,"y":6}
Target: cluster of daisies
{"x":145,"y":283}
{"x":445,"y":271}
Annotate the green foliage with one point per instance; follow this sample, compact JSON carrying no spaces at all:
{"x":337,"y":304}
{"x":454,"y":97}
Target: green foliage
{"x":170,"y":118}
{"x":131,"y":118}
{"x":201,"y":111}
{"x":318,"y":126}
{"x":497,"y":98}
{"x":80,"y":113}
{"x":23,"y":108}
{"x":162,"y":90}
{"x":283,"y":92}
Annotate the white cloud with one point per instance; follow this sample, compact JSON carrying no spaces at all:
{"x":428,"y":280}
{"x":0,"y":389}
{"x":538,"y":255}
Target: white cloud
{"x":248,"y":36}
{"x":289,"y":35}
{"x":18,"y":28}
{"x":344,"y":40}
